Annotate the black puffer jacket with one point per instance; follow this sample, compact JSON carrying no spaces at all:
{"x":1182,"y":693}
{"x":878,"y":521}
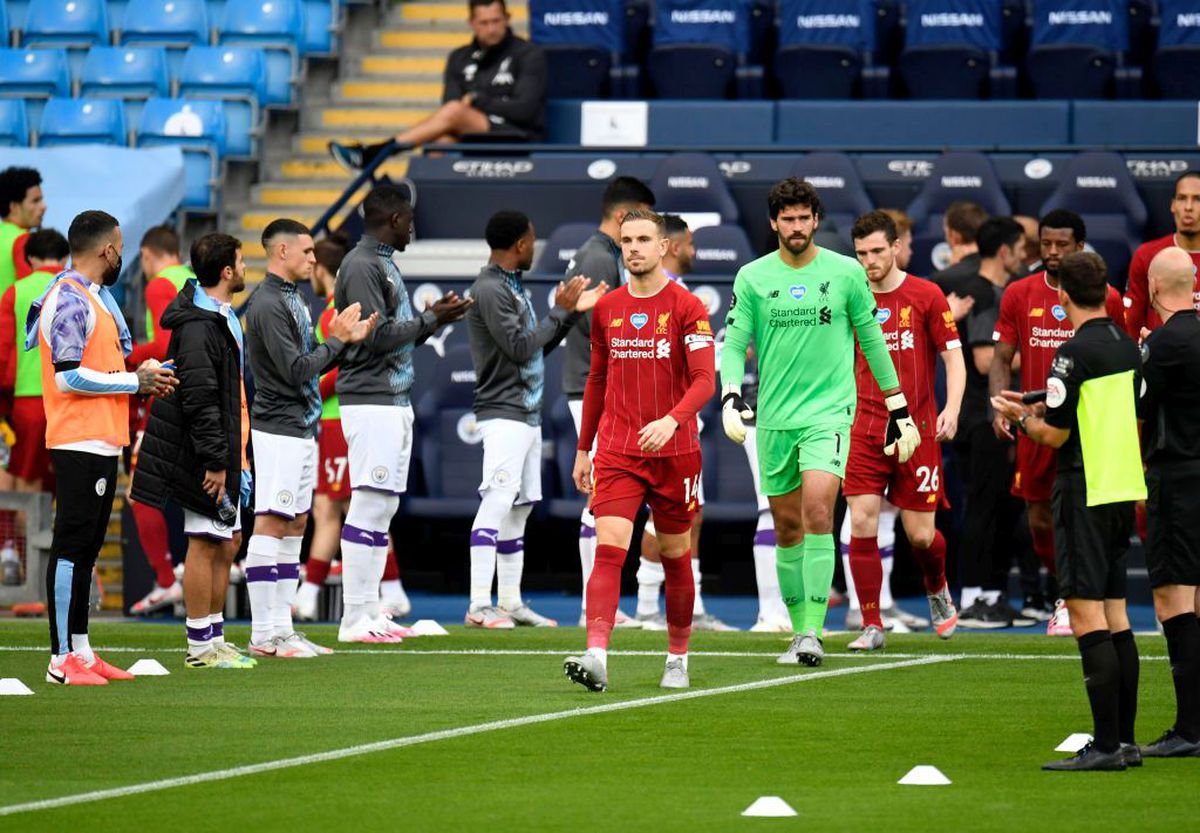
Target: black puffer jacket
{"x":197,"y":428}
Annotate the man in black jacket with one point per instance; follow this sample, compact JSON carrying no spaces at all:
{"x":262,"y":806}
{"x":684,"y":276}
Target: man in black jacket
{"x":193,"y":451}
{"x":495,"y":84}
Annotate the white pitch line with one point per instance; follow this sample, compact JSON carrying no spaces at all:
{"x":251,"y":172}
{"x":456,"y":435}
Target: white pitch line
{"x":447,"y":734}
{"x":560,"y":652}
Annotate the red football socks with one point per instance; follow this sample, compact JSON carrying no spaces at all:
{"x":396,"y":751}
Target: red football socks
{"x":391,"y":570}
{"x":680,"y":590}
{"x":152,"y":530}
{"x":867,"y":569}
{"x":603,"y":594}
{"x":933,"y":563}
{"x":1043,"y":547}
{"x":316,"y":571}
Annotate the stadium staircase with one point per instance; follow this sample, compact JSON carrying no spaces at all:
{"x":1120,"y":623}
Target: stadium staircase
{"x":391,"y":82}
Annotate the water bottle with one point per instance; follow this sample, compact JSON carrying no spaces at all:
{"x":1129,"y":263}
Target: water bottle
{"x":10,"y":564}
{"x":226,"y":511}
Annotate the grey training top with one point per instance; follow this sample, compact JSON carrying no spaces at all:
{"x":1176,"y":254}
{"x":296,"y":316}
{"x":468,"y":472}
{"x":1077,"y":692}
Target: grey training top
{"x":285,"y":360}
{"x":508,"y":344}
{"x":378,"y":371}
{"x":600,"y":259}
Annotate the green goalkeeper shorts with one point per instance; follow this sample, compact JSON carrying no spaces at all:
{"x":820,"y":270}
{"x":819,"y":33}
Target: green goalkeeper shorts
{"x":784,"y":454}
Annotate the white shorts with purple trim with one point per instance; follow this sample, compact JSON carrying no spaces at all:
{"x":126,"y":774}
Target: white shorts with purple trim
{"x":512,"y":458}
{"x":196,"y":525}
{"x":285,"y":474}
{"x":380,"y":439}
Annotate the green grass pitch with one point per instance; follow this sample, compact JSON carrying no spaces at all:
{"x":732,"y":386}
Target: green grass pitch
{"x":832,"y":742}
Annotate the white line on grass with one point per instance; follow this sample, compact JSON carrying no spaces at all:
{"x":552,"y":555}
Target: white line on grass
{"x":558,"y":652}
{"x":448,"y":734}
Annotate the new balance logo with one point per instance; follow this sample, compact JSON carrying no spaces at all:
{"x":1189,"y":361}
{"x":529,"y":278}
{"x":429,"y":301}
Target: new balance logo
{"x":775,"y":294}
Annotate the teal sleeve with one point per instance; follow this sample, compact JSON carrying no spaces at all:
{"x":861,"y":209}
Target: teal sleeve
{"x":739,"y":328}
{"x":870,"y":335}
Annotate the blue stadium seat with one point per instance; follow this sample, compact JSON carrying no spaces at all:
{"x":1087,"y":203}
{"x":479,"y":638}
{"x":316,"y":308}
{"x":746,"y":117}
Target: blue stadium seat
{"x":447,"y":442}
{"x":1076,"y":49}
{"x":35,"y":75}
{"x":561,"y":246}
{"x":956,"y":176}
{"x":66,"y":23}
{"x":691,"y":184}
{"x":14,"y":123}
{"x":728,"y":484}
{"x":1176,"y":62}
{"x":583,"y":41}
{"x":951,"y":50}
{"x":720,"y":250}
{"x":825,"y":50}
{"x":843,"y":195}
{"x":4,"y":25}
{"x":234,"y":75}
{"x":700,"y":48}
{"x":198,"y":128}
{"x":320,"y":25}
{"x":276,"y":26}
{"x":82,"y":121}
{"x":1098,"y":187}
{"x":171,"y":23}
{"x":131,"y":73}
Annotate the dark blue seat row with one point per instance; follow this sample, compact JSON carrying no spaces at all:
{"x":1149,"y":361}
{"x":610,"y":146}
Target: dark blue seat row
{"x":925,"y":49}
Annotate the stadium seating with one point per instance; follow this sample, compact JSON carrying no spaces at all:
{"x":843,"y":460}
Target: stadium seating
{"x":82,"y":121}
{"x":236,"y":76}
{"x":1099,"y":188}
{"x":34,"y":73}
{"x":843,"y":196}
{"x":951,"y":50}
{"x":955,"y":176}
{"x":320,"y":25}
{"x":74,"y":24}
{"x":1076,"y":48}
{"x":447,"y":441}
{"x":1176,"y":62}
{"x":14,"y":123}
{"x":699,"y":46}
{"x":198,"y":127}
{"x":130,"y":73}
{"x":561,"y":246}
{"x":826,"y":52}
{"x":720,"y":250}
{"x":691,"y":185}
{"x":728,"y":485}
{"x":4,"y":28}
{"x":175,"y":24}
{"x":276,"y":26}
{"x":583,"y":41}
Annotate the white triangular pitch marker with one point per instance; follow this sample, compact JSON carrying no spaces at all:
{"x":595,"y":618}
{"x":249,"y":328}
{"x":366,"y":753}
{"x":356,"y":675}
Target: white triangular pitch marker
{"x":1074,"y":743}
{"x":11,"y":685}
{"x":148,"y":668}
{"x":769,"y":806}
{"x":924,"y":776}
{"x":428,"y":627}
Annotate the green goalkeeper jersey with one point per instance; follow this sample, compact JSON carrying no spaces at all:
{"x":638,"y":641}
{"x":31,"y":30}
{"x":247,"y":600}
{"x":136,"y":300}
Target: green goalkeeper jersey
{"x":803,"y":322}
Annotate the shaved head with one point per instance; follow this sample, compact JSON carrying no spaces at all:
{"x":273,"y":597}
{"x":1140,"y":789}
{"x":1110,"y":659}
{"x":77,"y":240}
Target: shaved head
{"x":1173,"y":275}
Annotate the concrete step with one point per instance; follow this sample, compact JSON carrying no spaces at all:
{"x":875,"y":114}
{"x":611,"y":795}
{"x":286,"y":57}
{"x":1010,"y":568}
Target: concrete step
{"x":314,"y":143}
{"x":404,"y":93}
{"x":435,"y":13}
{"x":323,"y":170}
{"x":295,"y":195}
{"x":372,"y":119}
{"x":410,"y":39}
{"x":426,"y":68}
{"x":257,"y":219}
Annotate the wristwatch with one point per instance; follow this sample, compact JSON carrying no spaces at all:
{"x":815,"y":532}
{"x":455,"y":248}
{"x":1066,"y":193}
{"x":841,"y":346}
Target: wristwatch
{"x":1021,"y":423}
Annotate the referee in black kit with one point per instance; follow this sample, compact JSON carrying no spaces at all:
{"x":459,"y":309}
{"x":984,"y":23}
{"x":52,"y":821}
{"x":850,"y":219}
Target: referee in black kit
{"x":1090,"y":416}
{"x":1170,"y":408}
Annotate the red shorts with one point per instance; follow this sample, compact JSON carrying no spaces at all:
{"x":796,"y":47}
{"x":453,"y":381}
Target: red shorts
{"x":915,"y":485}
{"x":333,"y":478}
{"x":30,"y":457}
{"x":669,"y":484}
{"x":1036,"y":465}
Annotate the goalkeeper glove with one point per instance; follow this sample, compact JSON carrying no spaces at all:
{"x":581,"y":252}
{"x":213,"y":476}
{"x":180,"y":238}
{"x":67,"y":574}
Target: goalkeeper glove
{"x":734,"y":413}
{"x":902,"y":437}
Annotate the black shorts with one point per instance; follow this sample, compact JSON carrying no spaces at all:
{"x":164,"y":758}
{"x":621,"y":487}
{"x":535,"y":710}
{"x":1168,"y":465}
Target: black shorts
{"x":1090,"y":542}
{"x":84,"y":488}
{"x":1173,"y":530}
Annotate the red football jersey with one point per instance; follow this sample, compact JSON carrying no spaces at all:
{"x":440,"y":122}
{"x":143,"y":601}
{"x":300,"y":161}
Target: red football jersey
{"x":917,"y":326}
{"x":1138,"y":312}
{"x":646,"y":353}
{"x":1033,"y":321}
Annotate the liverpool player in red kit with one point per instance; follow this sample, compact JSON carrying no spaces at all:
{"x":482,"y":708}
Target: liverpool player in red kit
{"x":652,"y":370}
{"x":1033,"y":323}
{"x":1185,"y":209}
{"x":917,"y":326}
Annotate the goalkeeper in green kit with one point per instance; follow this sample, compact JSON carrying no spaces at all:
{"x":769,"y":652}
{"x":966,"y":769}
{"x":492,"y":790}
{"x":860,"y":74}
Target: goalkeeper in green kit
{"x":803,"y":305}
